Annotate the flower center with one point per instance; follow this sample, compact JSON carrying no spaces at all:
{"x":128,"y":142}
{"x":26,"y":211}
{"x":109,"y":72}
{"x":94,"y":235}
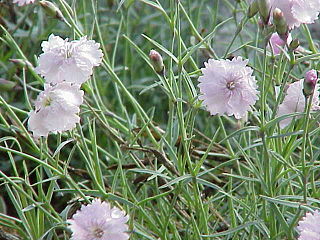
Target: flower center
{"x":67,"y":50}
{"x":233,"y":80}
{"x":47,"y":102}
{"x":231,"y":85}
{"x":98,"y":233}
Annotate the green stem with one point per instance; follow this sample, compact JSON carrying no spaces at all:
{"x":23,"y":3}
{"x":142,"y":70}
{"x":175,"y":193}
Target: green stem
{"x":308,"y":104}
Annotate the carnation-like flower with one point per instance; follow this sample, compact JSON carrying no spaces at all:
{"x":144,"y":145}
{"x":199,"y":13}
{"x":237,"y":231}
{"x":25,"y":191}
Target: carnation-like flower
{"x":294,"y":102}
{"x":23,"y":2}
{"x":297,"y":12}
{"x":56,"y":109}
{"x":73,"y":61}
{"x":276,"y":42}
{"x":309,"y":226}
{"x":98,"y":221}
{"x":228,"y":87}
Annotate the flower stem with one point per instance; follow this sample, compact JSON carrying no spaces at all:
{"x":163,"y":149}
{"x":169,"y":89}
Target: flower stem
{"x":308,"y":104}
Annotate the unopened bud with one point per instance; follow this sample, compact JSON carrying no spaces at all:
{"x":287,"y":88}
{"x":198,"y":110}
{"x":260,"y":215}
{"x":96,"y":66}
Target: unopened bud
{"x":51,"y":9}
{"x":267,"y":31}
{"x":294,"y":44}
{"x":6,"y":85}
{"x":21,"y":63}
{"x":156,"y":61}
{"x":264,"y":10}
{"x":280,"y":23}
{"x":253,"y":9}
{"x":310,"y":82}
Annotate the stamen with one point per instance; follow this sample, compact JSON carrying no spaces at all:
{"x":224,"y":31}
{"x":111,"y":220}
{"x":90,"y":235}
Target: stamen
{"x":47,"y":101}
{"x":231,"y":85}
{"x":98,"y":233}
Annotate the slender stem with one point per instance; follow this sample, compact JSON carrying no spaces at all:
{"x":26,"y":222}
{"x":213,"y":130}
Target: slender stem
{"x":308,"y":104}
{"x":312,"y":46}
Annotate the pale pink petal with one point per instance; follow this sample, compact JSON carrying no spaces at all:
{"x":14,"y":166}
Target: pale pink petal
{"x":23,"y":2}
{"x":72,"y":62}
{"x":294,"y":102}
{"x":276,"y":42}
{"x":57,"y":109}
{"x":99,"y":221}
{"x":228,"y":87}
{"x":297,"y":12}
{"x":309,"y":226}
{"x":305,"y":11}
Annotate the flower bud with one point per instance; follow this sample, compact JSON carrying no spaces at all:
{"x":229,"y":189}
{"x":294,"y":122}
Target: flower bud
{"x":51,"y":9}
{"x":253,"y":9}
{"x":310,"y":82}
{"x":294,"y":44}
{"x":267,"y":31}
{"x":21,"y":63}
{"x":6,"y":85}
{"x":264,"y":10}
{"x":280,"y":23}
{"x":156,"y":61}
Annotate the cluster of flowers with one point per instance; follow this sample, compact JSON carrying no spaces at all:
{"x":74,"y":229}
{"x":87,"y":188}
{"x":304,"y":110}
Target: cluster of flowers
{"x":227,"y":87}
{"x":65,"y":65}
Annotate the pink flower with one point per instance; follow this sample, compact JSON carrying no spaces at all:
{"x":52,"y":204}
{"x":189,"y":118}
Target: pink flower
{"x":309,"y":226}
{"x":228,"y":87}
{"x":294,"y":101}
{"x":68,"y":61}
{"x":98,"y":221}
{"x":23,"y":2}
{"x":276,"y":42}
{"x":310,"y":82}
{"x":57,"y":109}
{"x":297,"y":12}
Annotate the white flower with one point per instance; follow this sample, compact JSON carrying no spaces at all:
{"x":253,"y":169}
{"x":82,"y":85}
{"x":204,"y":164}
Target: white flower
{"x":297,"y":12}
{"x":228,"y":87}
{"x":309,"y":226}
{"x":68,"y":61}
{"x":294,"y":101}
{"x":56,"y":109}
{"x":98,"y":221}
{"x":305,"y":11}
{"x":23,"y":2}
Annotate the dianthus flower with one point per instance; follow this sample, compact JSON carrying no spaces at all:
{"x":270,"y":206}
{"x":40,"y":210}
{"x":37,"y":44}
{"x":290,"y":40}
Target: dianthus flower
{"x":294,"y":101}
{"x":228,"y":87}
{"x":56,"y":109}
{"x":276,"y":42}
{"x":73,"y":61}
{"x":309,"y":226}
{"x":23,"y":2}
{"x":297,"y":12}
{"x":98,"y":221}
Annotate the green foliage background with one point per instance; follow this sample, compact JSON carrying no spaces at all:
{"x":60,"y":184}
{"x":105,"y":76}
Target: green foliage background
{"x":145,"y":143}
